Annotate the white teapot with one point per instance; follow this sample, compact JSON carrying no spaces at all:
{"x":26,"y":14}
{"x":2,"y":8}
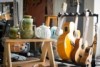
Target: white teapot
{"x":43,"y":31}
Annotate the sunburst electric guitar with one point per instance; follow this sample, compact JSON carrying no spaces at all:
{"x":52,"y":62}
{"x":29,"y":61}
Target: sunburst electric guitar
{"x":80,"y":44}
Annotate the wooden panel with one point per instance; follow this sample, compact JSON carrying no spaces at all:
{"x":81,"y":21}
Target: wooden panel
{"x":37,"y":10}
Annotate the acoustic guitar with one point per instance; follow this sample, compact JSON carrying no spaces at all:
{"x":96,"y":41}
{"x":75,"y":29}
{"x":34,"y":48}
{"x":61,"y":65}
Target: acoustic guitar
{"x":66,"y":40}
{"x":80,"y":44}
{"x":64,"y":44}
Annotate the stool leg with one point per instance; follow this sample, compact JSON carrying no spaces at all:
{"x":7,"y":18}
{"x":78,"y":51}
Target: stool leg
{"x":9,"y":55}
{"x":47,"y":48}
{"x":5,"y":56}
{"x":51,"y":55}
{"x":44,"y":49}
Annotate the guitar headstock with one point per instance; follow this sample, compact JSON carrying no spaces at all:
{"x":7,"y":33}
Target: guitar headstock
{"x":78,"y":4}
{"x":87,"y":12}
{"x":64,"y":6}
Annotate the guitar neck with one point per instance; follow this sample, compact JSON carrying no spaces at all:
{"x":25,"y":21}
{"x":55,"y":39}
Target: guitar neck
{"x":76,"y":19}
{"x":86,"y":26}
{"x":62,"y":20}
{"x":15,"y":10}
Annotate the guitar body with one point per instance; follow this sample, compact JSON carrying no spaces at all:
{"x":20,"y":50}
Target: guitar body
{"x":64,"y":44}
{"x":79,"y":50}
{"x":87,"y":58}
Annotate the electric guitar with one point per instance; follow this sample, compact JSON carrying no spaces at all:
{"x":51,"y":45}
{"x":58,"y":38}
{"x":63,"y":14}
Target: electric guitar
{"x":80,"y":44}
{"x":87,"y":58}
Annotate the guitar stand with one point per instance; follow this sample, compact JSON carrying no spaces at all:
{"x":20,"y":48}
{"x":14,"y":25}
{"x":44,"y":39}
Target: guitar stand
{"x":70,"y":63}
{"x":80,"y":15}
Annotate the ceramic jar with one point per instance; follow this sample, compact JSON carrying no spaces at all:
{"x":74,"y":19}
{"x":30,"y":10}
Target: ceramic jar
{"x":27,"y":27}
{"x":13,"y":33}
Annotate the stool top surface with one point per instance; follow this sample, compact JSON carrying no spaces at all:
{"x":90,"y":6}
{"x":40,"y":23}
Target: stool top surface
{"x":6,"y":39}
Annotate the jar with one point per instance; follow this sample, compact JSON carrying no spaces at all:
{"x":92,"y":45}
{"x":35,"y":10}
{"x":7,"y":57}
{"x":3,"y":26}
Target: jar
{"x":27,"y":27}
{"x":14,"y":33}
{"x":27,"y":34}
{"x":27,"y":22}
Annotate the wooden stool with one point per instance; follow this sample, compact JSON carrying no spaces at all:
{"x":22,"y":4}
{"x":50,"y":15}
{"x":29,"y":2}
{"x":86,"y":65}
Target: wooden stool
{"x":46,"y":49}
{"x":54,"y":18}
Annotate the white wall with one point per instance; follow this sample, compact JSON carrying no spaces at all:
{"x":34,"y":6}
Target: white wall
{"x":57,"y":6}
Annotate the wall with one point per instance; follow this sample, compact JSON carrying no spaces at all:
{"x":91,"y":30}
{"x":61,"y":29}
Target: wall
{"x":97,"y":10}
{"x":36,"y":10}
{"x":57,"y":6}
